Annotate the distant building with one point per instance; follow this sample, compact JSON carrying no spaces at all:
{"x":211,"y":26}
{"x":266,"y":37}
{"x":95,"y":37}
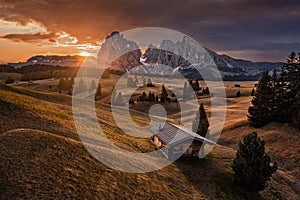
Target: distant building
{"x":175,"y":141}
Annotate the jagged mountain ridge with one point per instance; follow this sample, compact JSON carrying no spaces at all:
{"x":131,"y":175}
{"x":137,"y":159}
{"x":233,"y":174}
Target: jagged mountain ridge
{"x":155,"y":60}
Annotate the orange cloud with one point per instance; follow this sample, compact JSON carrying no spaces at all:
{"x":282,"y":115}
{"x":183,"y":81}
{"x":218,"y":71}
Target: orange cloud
{"x":29,"y":37}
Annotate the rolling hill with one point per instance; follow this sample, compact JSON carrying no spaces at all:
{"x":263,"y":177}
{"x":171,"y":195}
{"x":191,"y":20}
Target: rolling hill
{"x":42,"y":157}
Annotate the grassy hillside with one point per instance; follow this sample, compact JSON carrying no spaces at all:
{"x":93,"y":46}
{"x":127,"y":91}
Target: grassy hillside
{"x":42,"y":157}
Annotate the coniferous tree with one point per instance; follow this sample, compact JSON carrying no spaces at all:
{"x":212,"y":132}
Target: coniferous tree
{"x":261,"y":111}
{"x":196,"y":86}
{"x":200,"y":123}
{"x":291,"y":77}
{"x":92,"y":86}
{"x":119,"y":100}
{"x":81,"y":86}
{"x":149,"y":82}
{"x":238,"y":94}
{"x":130,"y":82}
{"x":61,"y":84}
{"x":113,"y":96}
{"x":131,"y":102}
{"x":185,"y":91}
{"x":98,"y":92}
{"x":164,"y":94}
{"x":143,"y":97}
{"x":251,"y":165}
{"x":253,"y":92}
{"x":136,"y":80}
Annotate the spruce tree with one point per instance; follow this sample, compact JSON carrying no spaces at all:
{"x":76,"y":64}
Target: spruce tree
{"x":253,"y":92}
{"x":185,"y":91}
{"x":98,"y":92}
{"x":164,"y":94}
{"x":61,"y":84}
{"x":291,"y":77}
{"x":196,"y":86}
{"x":92,"y":86}
{"x":238,"y":94}
{"x":200,"y":123}
{"x":113,"y":96}
{"x":130,"y":82}
{"x":261,"y":111}
{"x":149,"y":82}
{"x":119,"y":100}
{"x":251,"y":165}
{"x":81,"y":86}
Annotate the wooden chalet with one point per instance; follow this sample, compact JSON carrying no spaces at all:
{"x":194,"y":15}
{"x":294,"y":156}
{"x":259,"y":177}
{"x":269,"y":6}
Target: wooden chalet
{"x":175,"y":141}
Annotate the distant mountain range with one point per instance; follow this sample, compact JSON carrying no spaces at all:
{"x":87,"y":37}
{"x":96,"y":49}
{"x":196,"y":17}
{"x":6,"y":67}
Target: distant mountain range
{"x":153,"y":61}
{"x":53,"y":60}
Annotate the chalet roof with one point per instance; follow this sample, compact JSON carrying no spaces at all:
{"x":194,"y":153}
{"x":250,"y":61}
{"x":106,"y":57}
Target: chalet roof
{"x":171,"y":134}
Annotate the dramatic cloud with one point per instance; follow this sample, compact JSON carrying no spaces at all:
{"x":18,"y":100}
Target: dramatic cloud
{"x":37,"y":37}
{"x":227,"y":26}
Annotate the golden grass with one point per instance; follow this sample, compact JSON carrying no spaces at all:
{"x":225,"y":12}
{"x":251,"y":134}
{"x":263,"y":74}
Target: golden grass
{"x":42,"y":156}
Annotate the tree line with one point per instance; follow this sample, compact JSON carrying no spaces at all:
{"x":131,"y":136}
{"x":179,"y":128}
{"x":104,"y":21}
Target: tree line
{"x":277,"y":96}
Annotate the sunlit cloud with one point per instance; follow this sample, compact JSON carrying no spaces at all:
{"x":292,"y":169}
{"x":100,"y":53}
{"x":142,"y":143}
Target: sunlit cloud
{"x":9,"y":27}
{"x":66,"y":40}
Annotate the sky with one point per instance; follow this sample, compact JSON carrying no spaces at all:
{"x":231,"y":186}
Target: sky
{"x":256,"y":30}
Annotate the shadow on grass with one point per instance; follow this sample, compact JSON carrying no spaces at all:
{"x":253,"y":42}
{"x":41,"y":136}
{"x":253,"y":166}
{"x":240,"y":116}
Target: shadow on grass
{"x":214,"y":178}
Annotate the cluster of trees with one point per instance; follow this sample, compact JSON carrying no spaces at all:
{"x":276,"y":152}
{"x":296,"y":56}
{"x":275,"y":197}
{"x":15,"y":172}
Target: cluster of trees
{"x":9,"y":80}
{"x":131,"y":82}
{"x":193,"y":87}
{"x":66,"y":83}
{"x":39,"y":72}
{"x":135,"y":82}
{"x":277,"y":98}
{"x":151,"y":97}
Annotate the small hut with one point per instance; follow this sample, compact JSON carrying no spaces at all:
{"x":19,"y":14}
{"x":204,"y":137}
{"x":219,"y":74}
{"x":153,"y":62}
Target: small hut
{"x":175,"y":141}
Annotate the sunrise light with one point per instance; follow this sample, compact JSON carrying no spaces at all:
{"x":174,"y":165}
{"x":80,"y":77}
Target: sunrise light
{"x":85,"y":54}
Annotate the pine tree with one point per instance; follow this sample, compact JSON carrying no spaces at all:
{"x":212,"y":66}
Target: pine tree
{"x":61,"y":84}
{"x":196,"y":86}
{"x":185,"y":91}
{"x":81,"y":86}
{"x":261,"y":111}
{"x":113,"y":96}
{"x":92,"y":86}
{"x":251,"y":165}
{"x":291,"y":78}
{"x":149,"y":82}
{"x":98,"y":92}
{"x":238,"y":94}
{"x":164,"y":94}
{"x":200,"y":123}
{"x":136,"y":80}
{"x":119,"y":100}
{"x":253,"y":92}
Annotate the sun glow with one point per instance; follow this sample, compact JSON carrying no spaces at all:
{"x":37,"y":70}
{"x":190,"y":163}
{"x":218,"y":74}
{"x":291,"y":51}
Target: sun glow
{"x":85,"y":54}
